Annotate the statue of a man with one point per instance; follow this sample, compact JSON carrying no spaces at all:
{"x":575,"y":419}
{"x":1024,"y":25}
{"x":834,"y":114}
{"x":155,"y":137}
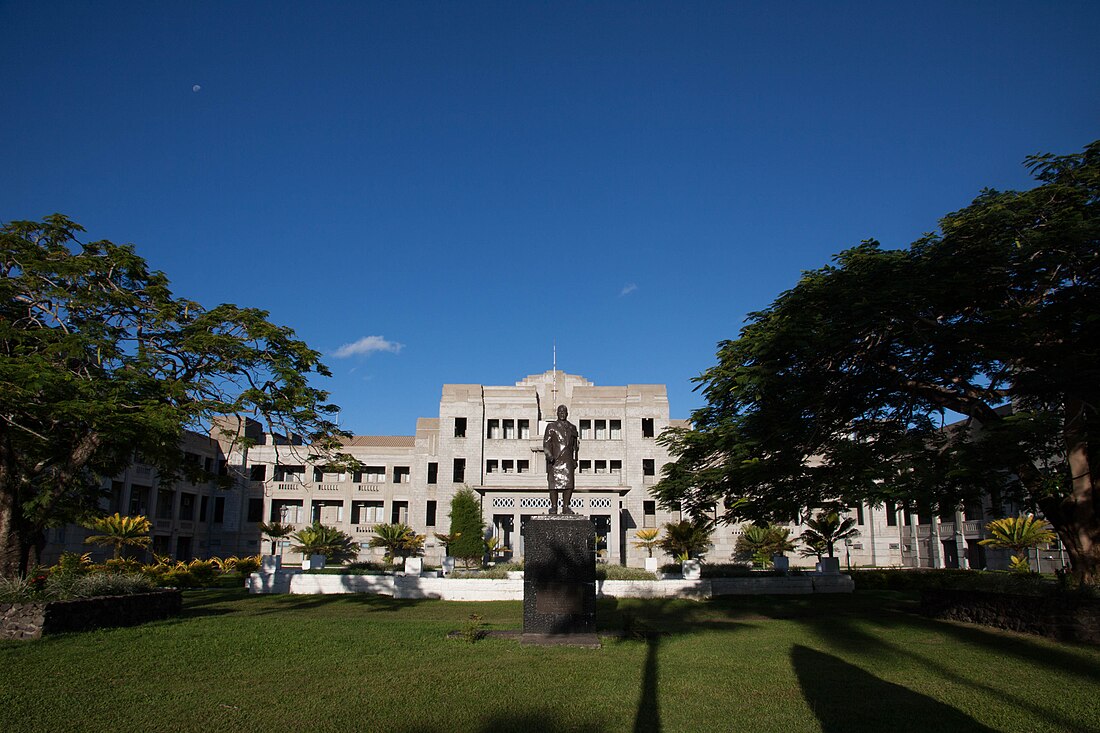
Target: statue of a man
{"x":561,"y":444}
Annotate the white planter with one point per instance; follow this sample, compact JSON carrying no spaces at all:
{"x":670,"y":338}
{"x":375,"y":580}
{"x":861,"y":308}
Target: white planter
{"x":781,"y":563}
{"x":270,"y":564}
{"x":398,"y":563}
{"x":829,"y":565}
{"x":315,"y":562}
{"x":414,"y":565}
{"x":651,"y":564}
{"x":448,"y":565}
{"x":692,"y":569}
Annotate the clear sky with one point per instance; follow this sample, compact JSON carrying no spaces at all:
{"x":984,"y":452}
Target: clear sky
{"x":468,"y":182}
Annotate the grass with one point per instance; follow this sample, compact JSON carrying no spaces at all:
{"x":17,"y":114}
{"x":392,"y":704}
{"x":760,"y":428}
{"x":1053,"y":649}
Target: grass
{"x":240,"y":663}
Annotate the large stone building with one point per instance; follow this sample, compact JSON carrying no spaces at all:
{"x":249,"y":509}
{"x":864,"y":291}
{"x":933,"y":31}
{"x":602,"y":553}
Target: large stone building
{"x":488,"y":438}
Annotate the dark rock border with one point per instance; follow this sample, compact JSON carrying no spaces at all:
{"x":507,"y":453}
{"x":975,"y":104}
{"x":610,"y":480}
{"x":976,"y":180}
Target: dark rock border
{"x":1065,"y":618}
{"x":37,"y":619}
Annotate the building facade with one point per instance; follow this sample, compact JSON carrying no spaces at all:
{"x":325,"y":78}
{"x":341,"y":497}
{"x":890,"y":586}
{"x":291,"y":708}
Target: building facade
{"x":487,"y":438}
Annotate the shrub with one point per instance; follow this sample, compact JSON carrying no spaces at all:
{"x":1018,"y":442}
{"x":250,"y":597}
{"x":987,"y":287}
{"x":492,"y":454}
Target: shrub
{"x":247,"y":565}
{"x":111,"y":584}
{"x":320,"y":539}
{"x":72,"y":563}
{"x":621,"y":572}
{"x":691,"y":538}
{"x":203,"y":572}
{"x":466,"y":527}
{"x":66,"y":586}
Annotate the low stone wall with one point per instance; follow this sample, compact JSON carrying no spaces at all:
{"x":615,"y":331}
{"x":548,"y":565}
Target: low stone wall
{"x":1065,"y":618}
{"x":35,"y":620}
{"x":475,"y":589}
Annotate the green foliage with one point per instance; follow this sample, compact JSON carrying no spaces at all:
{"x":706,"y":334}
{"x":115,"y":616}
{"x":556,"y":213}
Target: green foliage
{"x":66,"y":586}
{"x":72,"y":563}
{"x":647,"y":539}
{"x":622,"y":572}
{"x":321,"y":539}
{"x":836,"y":393}
{"x":824,"y":531}
{"x":119,"y":531}
{"x":686,"y":537}
{"x":467,"y":526}
{"x":1018,"y":534}
{"x":275,"y":531}
{"x":399,"y":540}
{"x":474,"y":629}
{"x":759,"y":542}
{"x":99,"y":360}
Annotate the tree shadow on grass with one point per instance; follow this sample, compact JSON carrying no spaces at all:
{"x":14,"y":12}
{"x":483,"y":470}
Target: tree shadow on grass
{"x":847,"y":699}
{"x":843,"y":631}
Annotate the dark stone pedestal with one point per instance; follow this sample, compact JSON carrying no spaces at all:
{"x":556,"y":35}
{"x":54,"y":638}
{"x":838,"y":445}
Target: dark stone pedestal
{"x":559,"y":575}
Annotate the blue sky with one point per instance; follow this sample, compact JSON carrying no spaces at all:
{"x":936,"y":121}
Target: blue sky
{"x":469,"y":182}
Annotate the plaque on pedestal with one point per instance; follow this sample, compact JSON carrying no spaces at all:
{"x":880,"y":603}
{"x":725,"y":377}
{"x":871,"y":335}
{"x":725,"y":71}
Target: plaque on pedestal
{"x":559,"y":578}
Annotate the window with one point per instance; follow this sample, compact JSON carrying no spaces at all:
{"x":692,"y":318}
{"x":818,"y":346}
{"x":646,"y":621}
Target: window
{"x":460,"y":427}
{"x":289,"y":473}
{"x":972,"y":510}
{"x":647,"y":427}
{"x":366,"y":512}
{"x":616,"y":430}
{"x":318,"y":475}
{"x":401,"y":474}
{"x":601,"y":430}
{"x":219,"y":509}
{"x":523,"y":466}
{"x":204,"y":503}
{"x":649,"y":514}
{"x":524,"y":429}
{"x":507,"y":466}
{"x":648,"y":467}
{"x":255,"y":510}
{"x":617,"y":468}
{"x":601,"y":466}
{"x":509,"y":429}
{"x":586,"y":430}
{"x":374,"y":474}
{"x":208,"y":464}
{"x":429,"y":513}
{"x":258,"y":472}
{"x":494,"y":429}
{"x":491,"y":466}
{"x":139,"y":500}
{"x":584,"y":467}
{"x":891,"y":514}
{"x":433,"y":473}
{"x":458,"y":475}
{"x":399,"y":513}
{"x":164,"y":504}
{"x":859,"y":514}
{"x":187,"y":507}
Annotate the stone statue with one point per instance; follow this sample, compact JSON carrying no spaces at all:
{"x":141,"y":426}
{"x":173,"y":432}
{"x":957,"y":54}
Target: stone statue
{"x":561,"y":444}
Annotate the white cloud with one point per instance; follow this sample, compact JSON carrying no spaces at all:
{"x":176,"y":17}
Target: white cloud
{"x":366,"y":346}
{"x":628,"y":289}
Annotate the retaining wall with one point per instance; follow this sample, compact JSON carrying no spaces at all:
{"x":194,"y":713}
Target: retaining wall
{"x":1065,"y":618}
{"x":474,"y":589}
{"x":34,"y":620}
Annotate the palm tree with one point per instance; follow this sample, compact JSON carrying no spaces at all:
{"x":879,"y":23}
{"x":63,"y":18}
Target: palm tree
{"x":275,"y":531}
{"x":759,"y":542}
{"x":825,"y":530}
{"x":1019,"y":534}
{"x":647,"y":539}
{"x":320,"y":539}
{"x":120,"y":531}
{"x":398,"y":539}
{"x":690,"y":538}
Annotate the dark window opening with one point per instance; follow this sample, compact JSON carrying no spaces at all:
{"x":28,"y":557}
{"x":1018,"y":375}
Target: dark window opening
{"x":649,"y":512}
{"x":255,"y":510}
{"x":649,"y":467}
{"x":647,"y":427}
{"x":433,"y":473}
{"x":204,"y":503}
{"x":258,"y":472}
{"x":458,"y":475}
{"x":429,"y":518}
{"x":219,"y":509}
{"x":460,"y":427}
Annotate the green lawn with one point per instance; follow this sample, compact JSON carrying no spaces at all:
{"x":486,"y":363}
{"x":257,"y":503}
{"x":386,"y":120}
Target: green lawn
{"x":367,"y":663}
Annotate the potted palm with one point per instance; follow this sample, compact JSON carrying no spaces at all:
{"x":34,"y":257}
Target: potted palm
{"x":119,"y":531}
{"x":822,"y":534}
{"x":647,"y":539}
{"x":1018,"y":534}
{"x":274,"y":531}
{"x":319,"y":543}
{"x":686,"y":541}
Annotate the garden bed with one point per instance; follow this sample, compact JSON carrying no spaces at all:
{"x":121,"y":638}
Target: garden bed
{"x":34,"y":620}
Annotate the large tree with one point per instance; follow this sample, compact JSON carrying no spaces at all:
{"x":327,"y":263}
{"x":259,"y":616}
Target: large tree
{"x":99,"y":361}
{"x":839,"y":392}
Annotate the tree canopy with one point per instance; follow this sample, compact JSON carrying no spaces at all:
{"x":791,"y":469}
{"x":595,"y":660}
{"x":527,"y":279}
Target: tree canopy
{"x":100,"y":361}
{"x":839,"y":392}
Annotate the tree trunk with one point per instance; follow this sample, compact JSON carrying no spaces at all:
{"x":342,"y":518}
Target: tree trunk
{"x":15,"y":542}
